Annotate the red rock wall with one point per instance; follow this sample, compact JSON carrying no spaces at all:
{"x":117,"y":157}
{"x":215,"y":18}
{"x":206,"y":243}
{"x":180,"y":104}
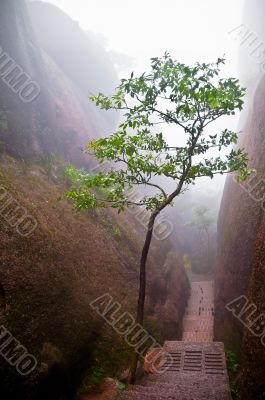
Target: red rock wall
{"x":240,"y":244}
{"x":251,"y":381}
{"x":60,"y":120}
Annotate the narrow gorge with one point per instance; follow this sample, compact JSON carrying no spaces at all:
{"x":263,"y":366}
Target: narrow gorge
{"x":132,"y":199}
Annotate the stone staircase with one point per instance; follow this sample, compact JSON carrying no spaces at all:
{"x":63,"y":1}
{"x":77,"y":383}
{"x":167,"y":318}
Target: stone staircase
{"x":199,"y":317}
{"x":195,"y":367}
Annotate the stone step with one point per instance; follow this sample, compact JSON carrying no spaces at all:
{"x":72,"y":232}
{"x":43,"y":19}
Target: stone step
{"x":186,"y":378}
{"x":197,"y":336}
{"x":149,"y":387}
{"x":184,"y":393}
{"x":195,"y":368}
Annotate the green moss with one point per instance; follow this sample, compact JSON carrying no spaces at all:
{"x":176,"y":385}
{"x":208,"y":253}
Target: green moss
{"x":116,"y":231}
{"x":5,"y":182}
{"x":3,"y":126}
{"x":233,"y":368}
{"x":110,"y":357}
{"x":230,"y":335}
{"x":93,"y":380}
{"x":186,"y":262}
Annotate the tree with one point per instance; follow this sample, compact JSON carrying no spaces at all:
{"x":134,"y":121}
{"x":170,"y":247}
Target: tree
{"x":187,"y":97}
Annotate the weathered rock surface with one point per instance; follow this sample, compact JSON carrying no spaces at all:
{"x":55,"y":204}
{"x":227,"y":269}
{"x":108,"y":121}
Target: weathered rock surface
{"x":60,"y":119}
{"x":49,"y":279}
{"x":240,"y":253}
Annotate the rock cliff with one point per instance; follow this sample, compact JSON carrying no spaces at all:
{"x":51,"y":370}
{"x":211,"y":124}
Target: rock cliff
{"x":48,"y":279}
{"x":240,"y":250}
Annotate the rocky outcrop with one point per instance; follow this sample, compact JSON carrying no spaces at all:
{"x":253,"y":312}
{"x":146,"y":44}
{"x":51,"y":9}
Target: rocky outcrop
{"x":78,"y":56}
{"x":251,"y":380}
{"x":168,"y":292}
{"x":59,"y":118}
{"x":50,"y":278}
{"x":240,"y":236}
{"x":74,"y":51}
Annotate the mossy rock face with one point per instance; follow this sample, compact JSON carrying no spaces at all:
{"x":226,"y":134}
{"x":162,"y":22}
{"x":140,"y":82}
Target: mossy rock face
{"x":50,"y":278}
{"x":230,"y":332}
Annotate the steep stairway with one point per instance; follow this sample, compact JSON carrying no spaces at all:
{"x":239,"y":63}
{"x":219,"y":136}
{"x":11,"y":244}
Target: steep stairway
{"x":199,"y":317}
{"x":195,"y":367}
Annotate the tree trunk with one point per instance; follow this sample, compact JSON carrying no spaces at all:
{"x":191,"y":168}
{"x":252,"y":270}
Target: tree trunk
{"x":141,"y":295}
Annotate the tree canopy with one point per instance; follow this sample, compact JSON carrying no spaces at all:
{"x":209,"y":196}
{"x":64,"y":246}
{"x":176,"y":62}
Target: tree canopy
{"x":188,"y":97}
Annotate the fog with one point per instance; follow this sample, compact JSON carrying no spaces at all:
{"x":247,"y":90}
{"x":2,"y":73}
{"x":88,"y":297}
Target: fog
{"x":190,"y":30}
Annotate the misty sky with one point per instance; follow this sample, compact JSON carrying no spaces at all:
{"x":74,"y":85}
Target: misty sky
{"x":191,"y":30}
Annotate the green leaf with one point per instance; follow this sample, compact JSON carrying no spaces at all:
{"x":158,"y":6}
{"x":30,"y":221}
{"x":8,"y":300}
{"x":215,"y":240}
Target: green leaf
{"x":138,"y":154}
